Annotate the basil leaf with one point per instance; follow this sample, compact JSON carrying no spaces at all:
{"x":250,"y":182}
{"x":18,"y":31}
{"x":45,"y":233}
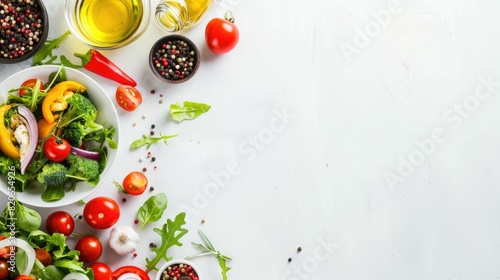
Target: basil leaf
{"x":152,"y":209}
{"x":27,"y":219}
{"x":53,"y":193}
{"x":188,"y":110}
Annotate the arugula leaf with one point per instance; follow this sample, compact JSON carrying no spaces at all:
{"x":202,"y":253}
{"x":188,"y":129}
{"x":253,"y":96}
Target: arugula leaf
{"x":152,"y":209}
{"x":188,"y":110}
{"x":208,"y":249}
{"x":148,"y":140}
{"x":46,"y":50}
{"x":170,"y":234}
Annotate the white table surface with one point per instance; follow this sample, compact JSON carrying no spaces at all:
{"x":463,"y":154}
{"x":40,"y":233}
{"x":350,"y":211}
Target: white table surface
{"x":365,"y":132}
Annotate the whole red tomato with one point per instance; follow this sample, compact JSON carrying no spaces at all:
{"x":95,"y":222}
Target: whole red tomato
{"x":221,"y":35}
{"x":90,"y":248}
{"x":101,"y":212}
{"x":128,"y":97}
{"x":56,"y":149}
{"x":30,"y":83}
{"x":61,"y":222}
{"x":135,"y":183}
{"x":4,"y":269}
{"x":101,"y":271}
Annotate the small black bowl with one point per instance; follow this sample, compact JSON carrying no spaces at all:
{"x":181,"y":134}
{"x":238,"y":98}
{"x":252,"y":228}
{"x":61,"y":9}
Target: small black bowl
{"x":174,"y":59}
{"x":42,"y":14}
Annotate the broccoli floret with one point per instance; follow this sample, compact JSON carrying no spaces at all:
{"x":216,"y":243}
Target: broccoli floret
{"x":79,"y":108}
{"x":82,"y":168}
{"x":52,"y":174}
{"x":76,"y":131}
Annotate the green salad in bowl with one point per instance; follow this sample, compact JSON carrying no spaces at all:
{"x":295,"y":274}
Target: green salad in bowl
{"x":58,"y":136}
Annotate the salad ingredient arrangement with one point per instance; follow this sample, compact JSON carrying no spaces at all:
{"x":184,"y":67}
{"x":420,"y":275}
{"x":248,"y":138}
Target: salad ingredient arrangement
{"x":123,"y":240}
{"x":222,"y":35}
{"x":63,"y":114}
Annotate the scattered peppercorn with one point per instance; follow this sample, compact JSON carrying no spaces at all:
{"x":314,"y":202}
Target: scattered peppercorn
{"x":155,"y":167}
{"x":299,"y":249}
{"x":153,"y":91}
{"x":144,"y":169}
{"x":289,"y":259}
{"x":161,"y":101}
{"x":80,"y":217}
{"x":202,"y":221}
{"x":135,"y":255}
{"x":153,"y":126}
{"x":174,"y":60}
{"x":151,"y":188}
{"x":21,"y":27}
{"x":136,"y":222}
{"x":153,"y":159}
{"x":124,"y":199}
{"x":152,"y":245}
{"x":151,"y":133}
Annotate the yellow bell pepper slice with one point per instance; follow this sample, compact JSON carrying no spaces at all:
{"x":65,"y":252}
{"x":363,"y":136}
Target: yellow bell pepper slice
{"x":55,"y":99}
{"x":6,"y":145}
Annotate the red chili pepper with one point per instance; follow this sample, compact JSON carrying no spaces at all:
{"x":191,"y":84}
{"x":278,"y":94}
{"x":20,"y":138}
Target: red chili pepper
{"x":95,"y":62}
{"x":130,"y":269}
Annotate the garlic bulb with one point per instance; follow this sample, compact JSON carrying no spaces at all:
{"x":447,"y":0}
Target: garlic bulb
{"x":123,"y":240}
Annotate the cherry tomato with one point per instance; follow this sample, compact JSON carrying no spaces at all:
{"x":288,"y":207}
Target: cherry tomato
{"x":30,"y":83}
{"x":130,"y":269}
{"x":101,"y":271}
{"x":90,"y":248}
{"x":221,"y":35}
{"x":56,"y":149}
{"x":61,"y":222}
{"x":135,"y":183}
{"x":43,"y":256}
{"x":101,"y":212}
{"x":4,"y":269}
{"x":24,"y":277}
{"x":128,"y":97}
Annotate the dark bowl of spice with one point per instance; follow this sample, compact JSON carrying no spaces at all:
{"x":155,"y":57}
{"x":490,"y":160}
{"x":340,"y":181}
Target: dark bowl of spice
{"x":174,"y":59}
{"x":24,"y":26}
{"x":178,"y":269}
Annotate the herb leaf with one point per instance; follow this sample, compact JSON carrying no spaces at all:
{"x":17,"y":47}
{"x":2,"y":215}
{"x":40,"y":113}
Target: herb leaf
{"x":46,"y":50}
{"x":27,"y":219}
{"x":148,"y":140}
{"x":170,"y":234}
{"x":208,"y":249}
{"x":188,"y":110}
{"x":152,"y":209}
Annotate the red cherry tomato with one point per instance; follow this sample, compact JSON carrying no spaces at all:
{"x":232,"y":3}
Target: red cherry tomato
{"x":24,"y":277}
{"x":56,"y":149}
{"x":135,"y":183}
{"x":101,"y":271}
{"x":61,"y":222}
{"x":221,"y":35}
{"x":130,"y":269}
{"x":101,"y":212}
{"x":90,"y":248}
{"x":4,"y":269}
{"x":128,"y":97}
{"x":30,"y":83}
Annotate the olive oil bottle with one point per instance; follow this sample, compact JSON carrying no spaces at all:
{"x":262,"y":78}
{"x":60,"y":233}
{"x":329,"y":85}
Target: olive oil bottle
{"x":174,"y":15}
{"x":106,"y":22}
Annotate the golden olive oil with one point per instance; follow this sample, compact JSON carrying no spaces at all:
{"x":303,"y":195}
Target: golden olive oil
{"x":177,"y":15}
{"x":109,"y":22}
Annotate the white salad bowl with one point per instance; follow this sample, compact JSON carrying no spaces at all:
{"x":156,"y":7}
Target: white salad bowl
{"x":106,"y":116}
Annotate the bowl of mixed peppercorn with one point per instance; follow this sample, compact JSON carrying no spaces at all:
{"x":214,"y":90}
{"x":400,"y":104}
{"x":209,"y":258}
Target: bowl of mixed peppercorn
{"x":174,"y":59}
{"x":24,"y":26}
{"x":178,"y":269}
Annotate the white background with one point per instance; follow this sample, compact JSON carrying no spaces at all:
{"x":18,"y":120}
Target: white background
{"x":370,"y":90}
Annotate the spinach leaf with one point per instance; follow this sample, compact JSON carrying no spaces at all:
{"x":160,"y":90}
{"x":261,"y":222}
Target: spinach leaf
{"x":188,"y":110}
{"x":152,"y":209}
{"x":27,"y":219}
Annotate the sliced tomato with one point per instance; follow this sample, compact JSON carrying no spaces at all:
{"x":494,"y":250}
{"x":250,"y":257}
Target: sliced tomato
{"x":26,"y":85}
{"x":128,"y":97}
{"x":132,"y":270}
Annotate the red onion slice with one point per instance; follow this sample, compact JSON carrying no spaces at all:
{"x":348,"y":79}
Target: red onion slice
{"x":84,"y":153}
{"x":31,"y":125}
